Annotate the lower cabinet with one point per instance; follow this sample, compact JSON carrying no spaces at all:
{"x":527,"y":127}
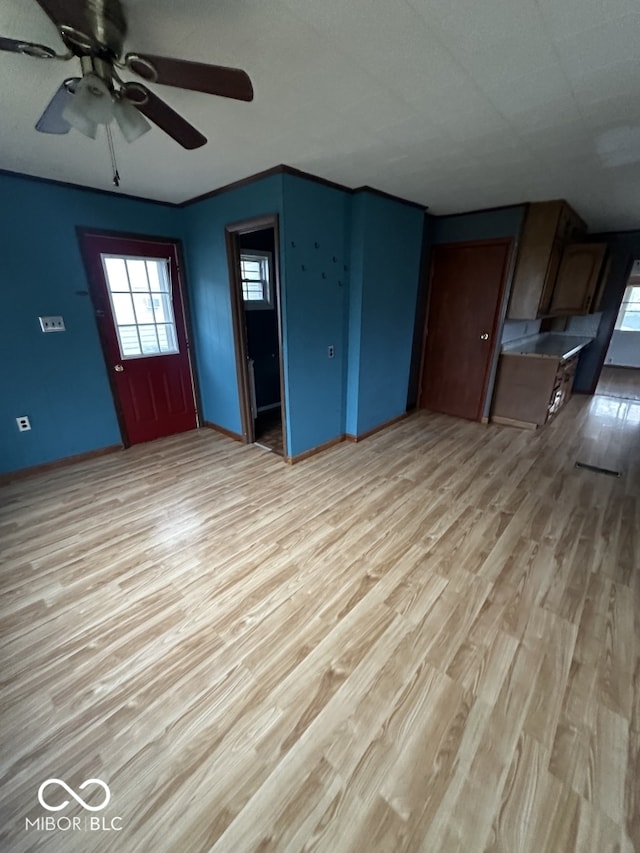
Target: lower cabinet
{"x":530,"y":390}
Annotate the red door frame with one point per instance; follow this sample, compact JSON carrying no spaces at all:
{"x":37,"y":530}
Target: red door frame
{"x":102,"y":312}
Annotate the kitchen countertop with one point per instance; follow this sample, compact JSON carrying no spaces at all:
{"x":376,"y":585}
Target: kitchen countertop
{"x":548,"y":345}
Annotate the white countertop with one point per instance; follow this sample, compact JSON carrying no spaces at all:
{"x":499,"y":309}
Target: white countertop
{"x":548,"y":345}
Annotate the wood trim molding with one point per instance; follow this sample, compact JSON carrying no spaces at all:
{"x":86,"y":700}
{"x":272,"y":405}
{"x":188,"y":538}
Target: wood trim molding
{"x":362,"y":435}
{"x":71,"y":186}
{"x":282,"y":169}
{"x":291,"y":460}
{"x":316,"y":179}
{"x":513,"y":422}
{"x":223,"y":431}
{"x":477,"y":211}
{"x":21,"y":473}
{"x":234,"y":185}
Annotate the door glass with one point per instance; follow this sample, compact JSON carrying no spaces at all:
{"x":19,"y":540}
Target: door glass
{"x":140,"y":294}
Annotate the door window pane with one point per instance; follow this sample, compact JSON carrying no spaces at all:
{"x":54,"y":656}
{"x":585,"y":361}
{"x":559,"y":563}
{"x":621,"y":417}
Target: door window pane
{"x":148,"y":339}
{"x":129,"y":341}
{"x":123,"y":309}
{"x":117,"y":274}
{"x":138,"y":276}
{"x":140,"y":294}
{"x":144,"y":308}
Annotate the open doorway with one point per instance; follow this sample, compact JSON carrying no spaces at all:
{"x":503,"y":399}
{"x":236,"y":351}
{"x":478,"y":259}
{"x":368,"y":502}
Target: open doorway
{"x":620,"y":375}
{"x":252,"y":249}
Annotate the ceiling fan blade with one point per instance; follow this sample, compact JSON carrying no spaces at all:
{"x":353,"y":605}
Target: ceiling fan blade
{"x":163,"y":116}
{"x":51,"y":120}
{"x":70,"y":12}
{"x":212,"y":79}
{"x":28,"y":47}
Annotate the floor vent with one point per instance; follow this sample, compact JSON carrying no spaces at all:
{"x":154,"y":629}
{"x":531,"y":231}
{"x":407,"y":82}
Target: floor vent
{"x":608,"y":471}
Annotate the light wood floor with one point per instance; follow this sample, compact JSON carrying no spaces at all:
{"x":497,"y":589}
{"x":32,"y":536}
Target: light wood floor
{"x":620,"y":382}
{"x":427,"y":641}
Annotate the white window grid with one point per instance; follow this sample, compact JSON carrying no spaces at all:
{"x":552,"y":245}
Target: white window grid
{"x":140,"y":295}
{"x":256,"y":274}
{"x":629,"y":314}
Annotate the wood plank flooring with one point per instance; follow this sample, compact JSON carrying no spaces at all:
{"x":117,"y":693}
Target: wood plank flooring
{"x":619,"y":382}
{"x":426,"y":641}
{"x":269,"y":432}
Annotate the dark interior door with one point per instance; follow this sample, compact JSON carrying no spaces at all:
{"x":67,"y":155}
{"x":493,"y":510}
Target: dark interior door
{"x":466,"y":286}
{"x":136,"y":292}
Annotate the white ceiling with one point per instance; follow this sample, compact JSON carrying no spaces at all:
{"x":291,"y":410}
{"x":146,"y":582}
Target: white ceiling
{"x":456,"y":104}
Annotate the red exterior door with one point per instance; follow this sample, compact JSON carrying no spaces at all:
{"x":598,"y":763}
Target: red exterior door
{"x":136,"y":290}
{"x":466,"y":287}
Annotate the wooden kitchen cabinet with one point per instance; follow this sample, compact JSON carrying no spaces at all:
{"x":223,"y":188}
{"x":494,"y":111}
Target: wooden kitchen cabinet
{"x":578,"y":277}
{"x":549,"y":227}
{"x":531,"y":390}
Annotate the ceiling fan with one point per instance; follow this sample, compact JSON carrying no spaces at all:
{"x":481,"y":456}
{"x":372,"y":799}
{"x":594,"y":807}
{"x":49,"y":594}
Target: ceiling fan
{"x":94,"y":31}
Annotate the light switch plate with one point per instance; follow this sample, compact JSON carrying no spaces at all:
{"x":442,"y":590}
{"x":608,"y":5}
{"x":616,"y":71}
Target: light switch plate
{"x":52,"y":324}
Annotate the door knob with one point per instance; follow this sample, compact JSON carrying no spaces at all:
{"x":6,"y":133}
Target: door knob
{"x":484,"y":337}
{"x":118,"y":368}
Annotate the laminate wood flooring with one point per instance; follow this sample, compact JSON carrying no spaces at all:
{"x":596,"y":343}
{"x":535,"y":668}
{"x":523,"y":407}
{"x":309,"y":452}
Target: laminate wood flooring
{"x":269,"y":431}
{"x":619,"y":382}
{"x":426,"y":641}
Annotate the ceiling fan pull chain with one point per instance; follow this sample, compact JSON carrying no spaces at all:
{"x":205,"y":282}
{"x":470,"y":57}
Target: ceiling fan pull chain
{"x":114,"y":165}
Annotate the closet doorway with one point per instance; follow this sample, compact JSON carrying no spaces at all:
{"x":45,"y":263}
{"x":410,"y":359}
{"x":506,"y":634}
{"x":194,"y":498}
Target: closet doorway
{"x":252,"y":251}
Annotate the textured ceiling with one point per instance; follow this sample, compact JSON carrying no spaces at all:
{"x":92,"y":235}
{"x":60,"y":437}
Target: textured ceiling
{"x":456,"y":105}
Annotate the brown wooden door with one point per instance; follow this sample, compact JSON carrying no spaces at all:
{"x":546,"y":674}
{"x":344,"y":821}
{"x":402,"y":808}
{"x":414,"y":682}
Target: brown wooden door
{"x":466,"y":287}
{"x":135,"y":286}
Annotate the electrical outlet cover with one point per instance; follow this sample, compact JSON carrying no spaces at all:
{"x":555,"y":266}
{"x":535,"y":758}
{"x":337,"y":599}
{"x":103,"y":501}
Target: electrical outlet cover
{"x":52,"y":324}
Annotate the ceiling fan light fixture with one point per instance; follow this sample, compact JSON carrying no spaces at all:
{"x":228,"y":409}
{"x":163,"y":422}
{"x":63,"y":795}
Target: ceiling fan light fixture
{"x":76,"y":118}
{"x":92,"y":104}
{"x":132,"y":124}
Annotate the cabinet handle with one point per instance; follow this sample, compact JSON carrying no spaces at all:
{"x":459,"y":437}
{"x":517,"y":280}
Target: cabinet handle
{"x":484,"y":336}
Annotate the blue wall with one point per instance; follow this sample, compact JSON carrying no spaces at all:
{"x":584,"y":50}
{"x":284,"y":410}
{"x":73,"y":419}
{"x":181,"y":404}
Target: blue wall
{"x":58,"y":380}
{"x":315,"y":264}
{"x":386,"y":251}
{"x":208,"y":276}
{"x":482,"y":225}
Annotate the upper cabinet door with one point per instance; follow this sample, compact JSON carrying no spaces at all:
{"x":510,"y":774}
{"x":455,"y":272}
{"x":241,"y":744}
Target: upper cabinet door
{"x":577,"y":278}
{"x":548,"y":227}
